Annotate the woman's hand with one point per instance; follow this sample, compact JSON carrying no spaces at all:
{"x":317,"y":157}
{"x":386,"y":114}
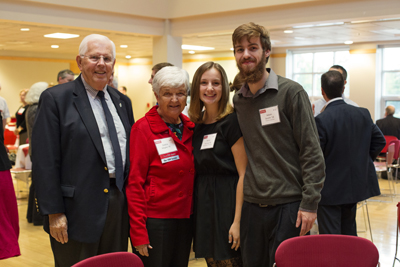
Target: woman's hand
{"x":143,"y":249}
{"x":234,"y":235}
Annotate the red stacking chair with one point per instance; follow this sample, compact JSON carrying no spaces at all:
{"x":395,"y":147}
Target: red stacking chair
{"x":327,"y":251}
{"x":397,"y":233}
{"x":118,"y":259}
{"x":388,"y":138}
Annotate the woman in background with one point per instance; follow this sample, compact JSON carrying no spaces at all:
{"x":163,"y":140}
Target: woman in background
{"x":9,"y":227}
{"x":220,"y":163}
{"x":32,"y":99}
{"x":20,"y":127}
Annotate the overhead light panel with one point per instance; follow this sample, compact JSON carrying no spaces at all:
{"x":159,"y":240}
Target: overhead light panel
{"x":288,"y":31}
{"x":55,"y":46}
{"x":123,"y":46}
{"x":128,"y":56}
{"x":191,"y":52}
{"x":59,"y":35}
{"x":196,"y":47}
{"x":348,"y":42}
{"x":24,"y":29}
{"x":360,"y":21}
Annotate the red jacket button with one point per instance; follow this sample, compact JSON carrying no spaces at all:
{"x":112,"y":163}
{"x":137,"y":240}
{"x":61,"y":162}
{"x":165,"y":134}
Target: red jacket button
{"x":191,"y":170}
{"x":180,"y":193}
{"x":181,"y":172}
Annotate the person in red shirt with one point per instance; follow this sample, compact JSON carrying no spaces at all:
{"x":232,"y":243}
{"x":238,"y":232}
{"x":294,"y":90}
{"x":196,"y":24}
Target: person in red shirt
{"x":160,"y":185}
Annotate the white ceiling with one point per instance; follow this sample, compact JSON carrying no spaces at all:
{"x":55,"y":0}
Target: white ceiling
{"x":15,"y":42}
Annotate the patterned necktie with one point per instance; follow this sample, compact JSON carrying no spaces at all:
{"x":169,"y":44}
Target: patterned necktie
{"x":119,"y":171}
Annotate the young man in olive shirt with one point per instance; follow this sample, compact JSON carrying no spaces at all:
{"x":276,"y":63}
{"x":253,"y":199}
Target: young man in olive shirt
{"x":285,"y":171}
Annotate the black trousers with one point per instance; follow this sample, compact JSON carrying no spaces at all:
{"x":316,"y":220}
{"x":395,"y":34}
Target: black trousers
{"x":263,"y":229}
{"x":337,"y":219}
{"x":113,"y":239}
{"x":171,"y":240}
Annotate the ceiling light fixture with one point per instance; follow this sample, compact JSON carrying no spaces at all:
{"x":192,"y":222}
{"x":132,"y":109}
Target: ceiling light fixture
{"x":191,"y":52}
{"x":196,"y":47}
{"x":360,"y":21}
{"x":55,"y":46}
{"x":128,"y":56}
{"x":123,"y":46}
{"x":59,"y":35}
{"x":24,"y":29}
{"x":288,"y":31}
{"x":232,"y":48}
{"x":348,"y":42}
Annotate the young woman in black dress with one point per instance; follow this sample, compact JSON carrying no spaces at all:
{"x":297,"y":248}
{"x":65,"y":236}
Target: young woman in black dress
{"x":220,"y":162}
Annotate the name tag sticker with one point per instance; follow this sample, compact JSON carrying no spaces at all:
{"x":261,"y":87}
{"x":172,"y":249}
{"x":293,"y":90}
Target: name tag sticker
{"x":167,"y":150}
{"x":21,"y":110}
{"x":269,"y":116}
{"x":208,"y":141}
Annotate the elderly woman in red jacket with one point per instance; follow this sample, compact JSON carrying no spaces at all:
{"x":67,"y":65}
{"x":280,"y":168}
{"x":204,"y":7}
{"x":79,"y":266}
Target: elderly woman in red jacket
{"x":160,"y":184}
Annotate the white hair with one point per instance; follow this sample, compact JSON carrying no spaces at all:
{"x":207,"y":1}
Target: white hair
{"x":170,"y":77}
{"x":35,"y":91}
{"x":83,"y":47}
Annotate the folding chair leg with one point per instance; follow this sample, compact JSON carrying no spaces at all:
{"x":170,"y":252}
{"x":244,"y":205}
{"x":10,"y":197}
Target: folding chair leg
{"x":397,"y":242}
{"x":369,"y":223}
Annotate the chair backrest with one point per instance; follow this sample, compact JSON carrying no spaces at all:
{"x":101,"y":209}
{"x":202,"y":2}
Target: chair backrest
{"x":397,"y":148}
{"x":388,"y":139}
{"x":390,"y":155}
{"x":9,"y":137}
{"x":327,"y":251}
{"x":120,"y":259}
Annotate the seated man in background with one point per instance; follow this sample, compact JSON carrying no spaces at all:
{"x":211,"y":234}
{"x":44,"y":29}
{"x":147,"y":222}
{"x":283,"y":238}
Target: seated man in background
{"x":350,"y":142}
{"x":320,"y":103}
{"x":389,"y":125}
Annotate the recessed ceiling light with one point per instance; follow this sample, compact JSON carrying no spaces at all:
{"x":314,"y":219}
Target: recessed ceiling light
{"x":128,"y":56}
{"x":232,"y":48}
{"x":123,"y":46}
{"x":348,"y":42}
{"x":191,"y":52}
{"x":55,"y":46}
{"x":288,"y":31}
{"x":299,"y":38}
{"x":329,"y":24}
{"x":61,"y":35}
{"x":25,"y":29}
{"x":303,"y":26}
{"x":196,"y":47}
{"x":360,"y":21}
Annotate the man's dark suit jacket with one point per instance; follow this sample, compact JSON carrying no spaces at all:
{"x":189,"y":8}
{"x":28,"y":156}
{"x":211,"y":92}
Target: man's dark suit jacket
{"x":69,"y":163}
{"x":389,"y":126}
{"x":350,"y":142}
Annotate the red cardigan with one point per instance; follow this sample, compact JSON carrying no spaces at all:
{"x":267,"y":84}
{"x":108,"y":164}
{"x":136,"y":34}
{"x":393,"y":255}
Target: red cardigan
{"x":157,"y":190}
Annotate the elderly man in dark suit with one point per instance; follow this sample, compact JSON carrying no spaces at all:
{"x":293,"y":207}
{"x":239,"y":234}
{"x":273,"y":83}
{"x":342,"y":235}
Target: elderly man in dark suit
{"x":350,"y":142}
{"x":389,"y":125}
{"x":80,"y":158}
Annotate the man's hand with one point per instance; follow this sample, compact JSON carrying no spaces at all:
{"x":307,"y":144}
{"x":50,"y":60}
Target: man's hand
{"x":143,"y":249}
{"x":58,"y":227}
{"x":306,"y":219}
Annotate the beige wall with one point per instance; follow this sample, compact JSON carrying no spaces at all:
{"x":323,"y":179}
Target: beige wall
{"x":19,"y":74}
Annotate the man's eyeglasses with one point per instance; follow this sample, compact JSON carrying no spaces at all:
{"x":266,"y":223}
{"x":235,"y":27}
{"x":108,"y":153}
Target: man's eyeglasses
{"x":96,"y":59}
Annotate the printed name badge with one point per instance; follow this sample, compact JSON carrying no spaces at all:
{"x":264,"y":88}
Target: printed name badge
{"x":269,"y":116}
{"x":21,"y":110}
{"x":167,"y":150}
{"x":208,"y":141}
